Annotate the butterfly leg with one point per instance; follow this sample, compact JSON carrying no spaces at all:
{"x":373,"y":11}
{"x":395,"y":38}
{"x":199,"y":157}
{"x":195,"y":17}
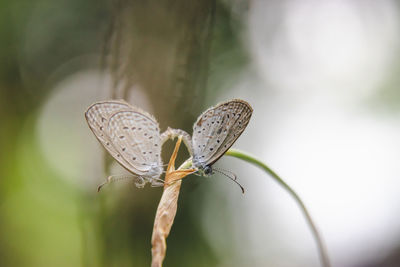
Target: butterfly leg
{"x":140,"y":182}
{"x":156,"y":182}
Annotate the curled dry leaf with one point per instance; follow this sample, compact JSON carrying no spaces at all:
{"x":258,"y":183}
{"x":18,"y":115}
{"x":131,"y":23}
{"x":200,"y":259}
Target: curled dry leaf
{"x":167,"y":207}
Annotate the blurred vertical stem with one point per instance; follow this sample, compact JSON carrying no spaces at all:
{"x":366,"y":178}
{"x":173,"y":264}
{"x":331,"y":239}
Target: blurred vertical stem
{"x":162,"y":48}
{"x":251,"y":159}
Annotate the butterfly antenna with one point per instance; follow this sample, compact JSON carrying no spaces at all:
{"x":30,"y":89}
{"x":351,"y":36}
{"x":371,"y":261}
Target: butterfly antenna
{"x":162,"y":165}
{"x":223,"y":171}
{"x":111,"y":179}
{"x":232,"y":176}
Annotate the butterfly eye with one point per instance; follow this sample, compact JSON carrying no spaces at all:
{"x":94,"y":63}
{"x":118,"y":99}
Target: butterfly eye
{"x":208,"y":170}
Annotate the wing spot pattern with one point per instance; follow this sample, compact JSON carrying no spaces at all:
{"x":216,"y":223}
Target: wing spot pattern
{"x":111,"y":122}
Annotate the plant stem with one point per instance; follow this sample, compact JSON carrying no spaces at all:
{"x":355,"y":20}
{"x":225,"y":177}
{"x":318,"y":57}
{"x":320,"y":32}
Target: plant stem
{"x":251,"y":159}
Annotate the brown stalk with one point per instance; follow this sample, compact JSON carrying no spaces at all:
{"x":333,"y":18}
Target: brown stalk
{"x":167,"y":207}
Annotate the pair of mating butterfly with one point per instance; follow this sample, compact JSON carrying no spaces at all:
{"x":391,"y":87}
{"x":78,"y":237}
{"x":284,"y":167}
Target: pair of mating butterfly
{"x":132,"y":136}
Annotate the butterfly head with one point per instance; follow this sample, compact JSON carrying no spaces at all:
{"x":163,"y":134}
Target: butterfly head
{"x":203,"y":169}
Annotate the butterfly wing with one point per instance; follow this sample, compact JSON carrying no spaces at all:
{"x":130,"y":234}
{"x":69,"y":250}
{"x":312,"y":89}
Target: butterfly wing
{"x":217,"y":129}
{"x":98,"y":117}
{"x":135,"y":135}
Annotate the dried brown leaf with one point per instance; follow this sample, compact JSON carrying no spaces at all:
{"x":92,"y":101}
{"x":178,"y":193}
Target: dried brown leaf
{"x":167,"y":208}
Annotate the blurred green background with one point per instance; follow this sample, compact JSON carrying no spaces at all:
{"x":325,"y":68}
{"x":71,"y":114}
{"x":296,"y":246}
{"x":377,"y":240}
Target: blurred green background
{"x":322,"y":77}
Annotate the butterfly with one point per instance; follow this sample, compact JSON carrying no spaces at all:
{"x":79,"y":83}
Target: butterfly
{"x":131,"y":136}
{"x":215,"y":131}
